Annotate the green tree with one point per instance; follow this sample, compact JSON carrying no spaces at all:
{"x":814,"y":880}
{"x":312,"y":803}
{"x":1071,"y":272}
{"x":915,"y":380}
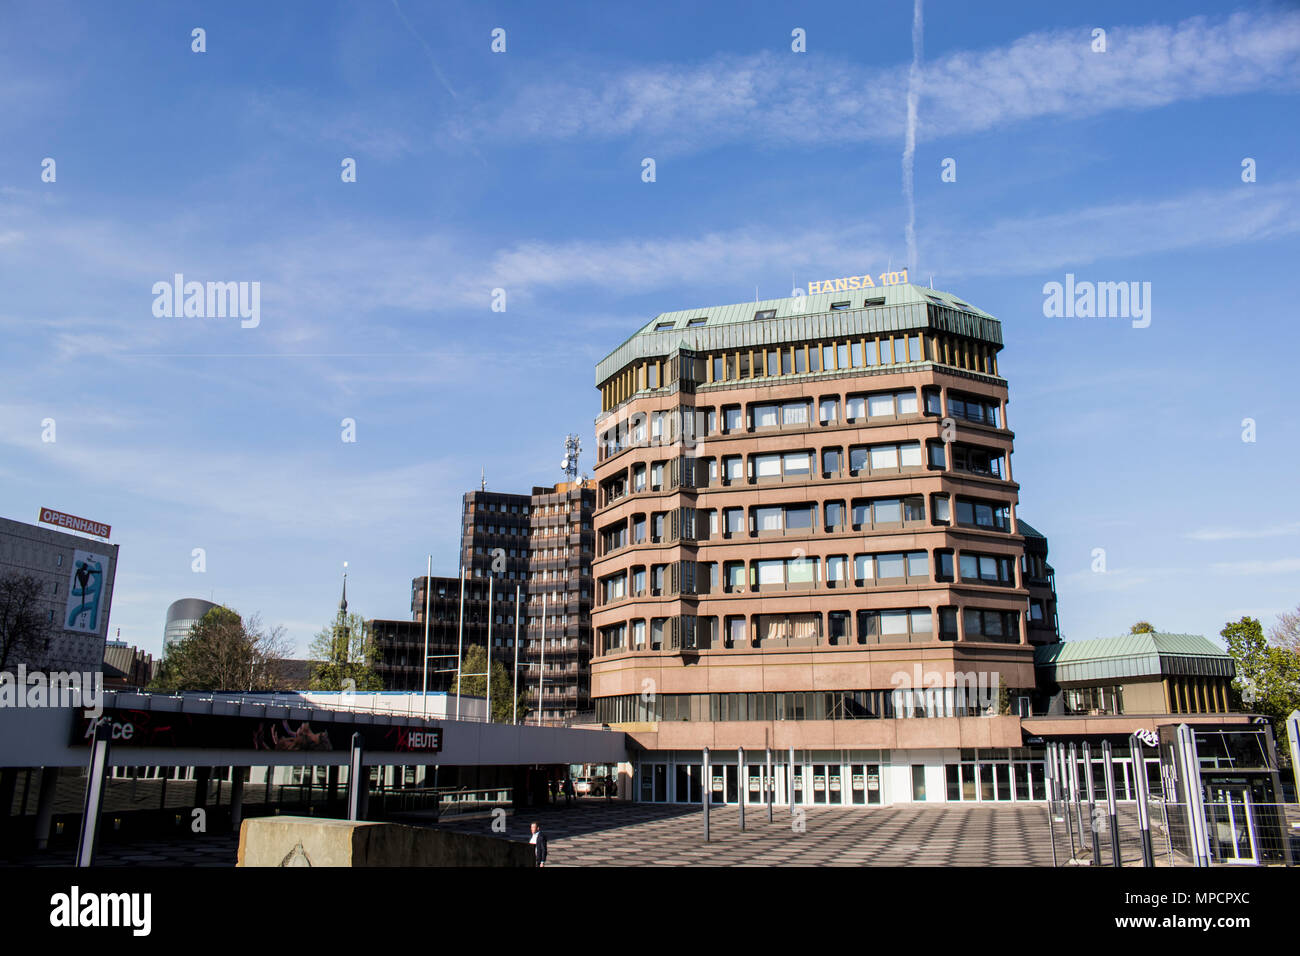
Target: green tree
{"x":1268,"y":674}
{"x":475,"y":662}
{"x":1246,"y":644}
{"x":224,"y":652}
{"x":1284,"y":636}
{"x":343,"y":652}
{"x":1142,"y":627}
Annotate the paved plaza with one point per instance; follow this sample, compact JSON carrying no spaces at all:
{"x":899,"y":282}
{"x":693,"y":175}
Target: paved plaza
{"x":658,"y":835}
{"x":594,"y":833}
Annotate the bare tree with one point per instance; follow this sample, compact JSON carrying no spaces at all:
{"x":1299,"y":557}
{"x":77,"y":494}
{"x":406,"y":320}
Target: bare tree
{"x":225,"y":652}
{"x":24,"y":631}
{"x":270,"y":651}
{"x":1286,"y":632}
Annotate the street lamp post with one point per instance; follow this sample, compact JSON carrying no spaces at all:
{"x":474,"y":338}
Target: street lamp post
{"x":514,"y":714}
{"x":460,"y":639}
{"x":424,"y":691}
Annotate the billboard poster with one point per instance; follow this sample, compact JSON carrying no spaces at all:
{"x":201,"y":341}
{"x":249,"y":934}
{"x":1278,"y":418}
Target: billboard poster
{"x":85,"y":589}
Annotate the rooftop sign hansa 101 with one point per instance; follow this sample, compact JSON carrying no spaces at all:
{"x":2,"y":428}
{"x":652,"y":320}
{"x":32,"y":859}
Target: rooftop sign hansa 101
{"x":850,"y":283}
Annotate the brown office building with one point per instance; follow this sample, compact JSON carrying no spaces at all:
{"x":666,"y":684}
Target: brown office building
{"x":807,"y":537}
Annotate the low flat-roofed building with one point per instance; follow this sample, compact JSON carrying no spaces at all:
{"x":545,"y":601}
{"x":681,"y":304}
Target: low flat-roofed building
{"x":1152,"y":673}
{"x":126,"y":667}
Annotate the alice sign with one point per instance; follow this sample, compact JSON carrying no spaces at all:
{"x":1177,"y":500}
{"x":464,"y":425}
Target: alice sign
{"x":848,"y":283}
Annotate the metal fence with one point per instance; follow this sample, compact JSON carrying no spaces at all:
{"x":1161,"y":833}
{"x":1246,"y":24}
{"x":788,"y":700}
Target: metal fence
{"x":1218,"y":826}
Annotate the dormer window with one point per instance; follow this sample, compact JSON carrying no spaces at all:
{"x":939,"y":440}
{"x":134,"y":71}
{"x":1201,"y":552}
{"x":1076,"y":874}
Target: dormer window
{"x":765,"y":314}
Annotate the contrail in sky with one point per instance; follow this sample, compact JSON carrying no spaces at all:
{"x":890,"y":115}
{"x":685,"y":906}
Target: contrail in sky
{"x":909,"y":142}
{"x":429,"y":53}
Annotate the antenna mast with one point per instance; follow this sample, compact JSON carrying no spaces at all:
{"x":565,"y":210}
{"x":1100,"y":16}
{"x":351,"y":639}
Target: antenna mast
{"x":572,"y":449}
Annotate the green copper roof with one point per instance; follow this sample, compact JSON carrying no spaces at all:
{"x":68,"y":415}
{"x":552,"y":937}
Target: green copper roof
{"x":1028,"y":530}
{"x":892,"y":308}
{"x":901,"y":294}
{"x":1134,"y":655}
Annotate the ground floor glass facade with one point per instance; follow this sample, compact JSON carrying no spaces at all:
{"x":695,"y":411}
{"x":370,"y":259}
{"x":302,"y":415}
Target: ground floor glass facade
{"x":869,"y":777}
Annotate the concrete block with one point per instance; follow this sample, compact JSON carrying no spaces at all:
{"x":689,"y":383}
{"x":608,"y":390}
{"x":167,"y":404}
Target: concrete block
{"x":309,"y":841}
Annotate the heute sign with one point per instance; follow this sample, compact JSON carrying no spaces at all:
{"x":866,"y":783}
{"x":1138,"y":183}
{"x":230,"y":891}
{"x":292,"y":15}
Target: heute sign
{"x":73,"y":523}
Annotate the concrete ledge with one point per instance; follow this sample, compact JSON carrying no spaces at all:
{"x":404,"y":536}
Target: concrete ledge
{"x":309,"y":841}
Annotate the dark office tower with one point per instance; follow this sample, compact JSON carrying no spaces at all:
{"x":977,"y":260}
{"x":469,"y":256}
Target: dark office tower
{"x":541,"y":544}
{"x":399,"y":646}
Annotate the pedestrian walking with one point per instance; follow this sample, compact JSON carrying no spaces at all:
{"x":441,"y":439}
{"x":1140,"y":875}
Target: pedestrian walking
{"x":539,"y":844}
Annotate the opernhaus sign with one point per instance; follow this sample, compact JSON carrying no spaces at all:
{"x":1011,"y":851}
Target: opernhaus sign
{"x":73,"y":523}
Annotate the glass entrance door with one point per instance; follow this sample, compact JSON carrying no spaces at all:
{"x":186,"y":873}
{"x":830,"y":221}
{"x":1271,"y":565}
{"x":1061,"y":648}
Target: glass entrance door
{"x":819,"y":782}
{"x":875,"y":789}
{"x":835,"y":791}
{"x":918,"y":782}
{"x":724,"y":782}
{"x":1232,"y":824}
{"x":754,"y":791}
{"x":688,"y":783}
{"x":863,"y":784}
{"x":858,"y":783}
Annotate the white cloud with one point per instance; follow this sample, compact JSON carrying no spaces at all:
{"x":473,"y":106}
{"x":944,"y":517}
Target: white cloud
{"x":1276,"y":566}
{"x":774,"y":100}
{"x":1118,"y":231}
{"x":1244,"y":534}
{"x":298,"y":116}
{"x":285,"y":488}
{"x":350,"y":279}
{"x":1060,"y":240}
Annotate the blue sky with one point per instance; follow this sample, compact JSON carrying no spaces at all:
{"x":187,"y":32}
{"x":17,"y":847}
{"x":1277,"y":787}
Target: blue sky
{"x":522,"y":170}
